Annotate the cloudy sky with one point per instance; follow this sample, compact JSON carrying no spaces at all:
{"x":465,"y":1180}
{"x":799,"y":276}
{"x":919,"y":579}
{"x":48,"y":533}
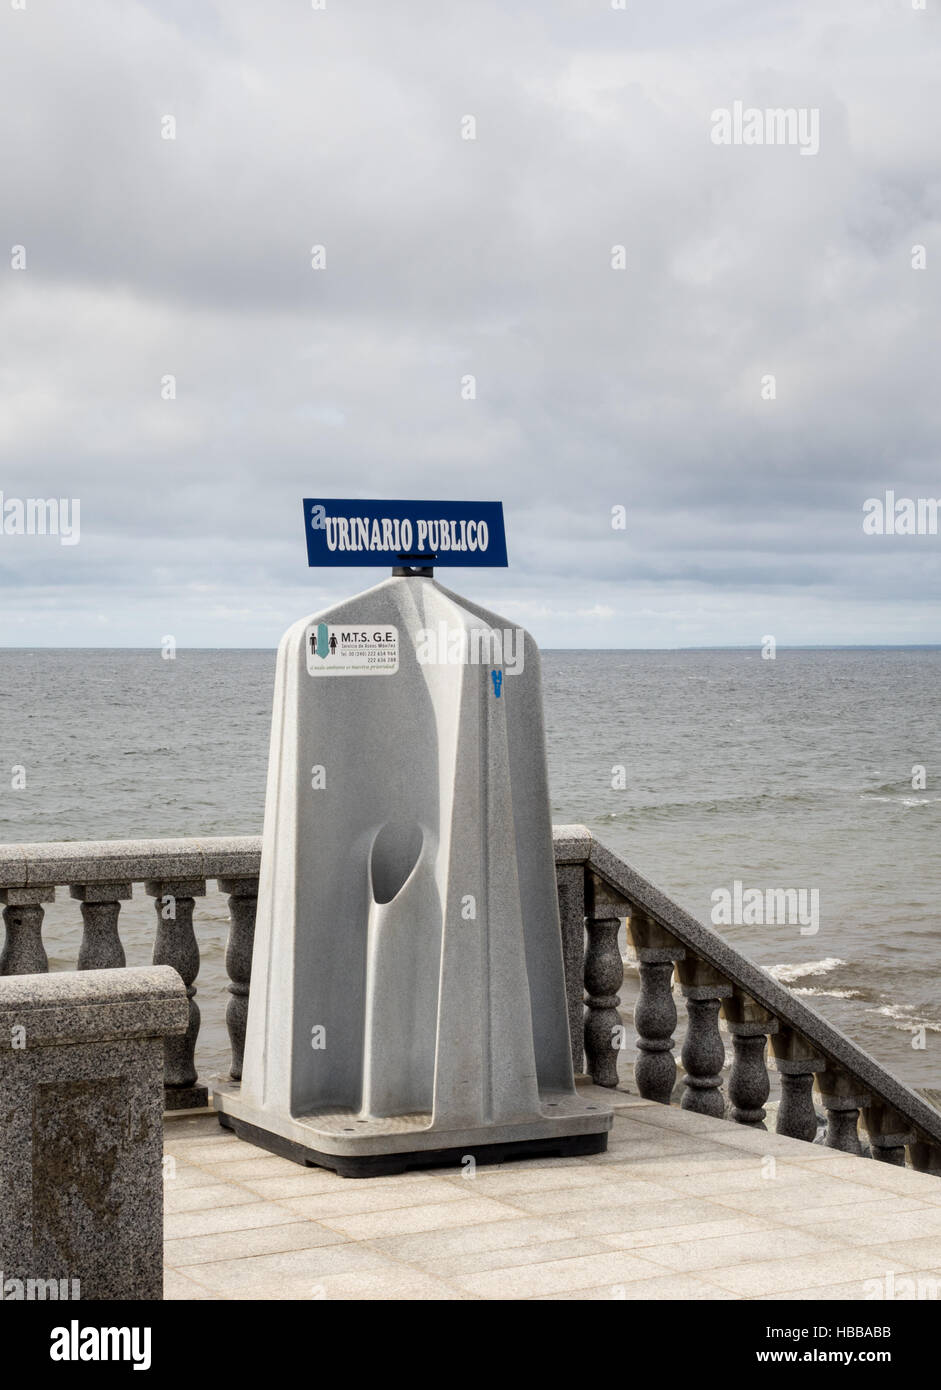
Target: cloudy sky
{"x":447,"y":257}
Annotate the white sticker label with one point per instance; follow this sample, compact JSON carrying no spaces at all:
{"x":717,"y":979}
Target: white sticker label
{"x":340,"y":649}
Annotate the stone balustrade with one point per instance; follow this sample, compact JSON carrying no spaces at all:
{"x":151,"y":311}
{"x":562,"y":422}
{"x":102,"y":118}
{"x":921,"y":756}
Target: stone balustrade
{"x":676,"y":955}
{"x":100,"y":874}
{"x":715,"y":979}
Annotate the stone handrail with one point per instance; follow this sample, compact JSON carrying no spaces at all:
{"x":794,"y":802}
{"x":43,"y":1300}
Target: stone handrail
{"x":596,"y":891}
{"x":713,"y":975}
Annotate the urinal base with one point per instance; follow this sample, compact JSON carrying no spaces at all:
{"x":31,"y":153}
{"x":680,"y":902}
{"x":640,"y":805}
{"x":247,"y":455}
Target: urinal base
{"x":384,"y":1165}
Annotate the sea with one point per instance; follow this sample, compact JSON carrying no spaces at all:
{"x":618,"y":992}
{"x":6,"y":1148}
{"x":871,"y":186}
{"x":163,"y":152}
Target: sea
{"x":817,"y":770}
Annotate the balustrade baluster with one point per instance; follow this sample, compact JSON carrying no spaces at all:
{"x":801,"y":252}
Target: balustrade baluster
{"x":604,"y":972}
{"x":101,"y":947}
{"x":703,"y":1051}
{"x":797,"y":1062}
{"x":243,"y":901}
{"x":570,"y":882}
{"x":842,"y":1096}
{"x":176,"y":945}
{"x":749,"y":1085}
{"x":655,"y":1011}
{"x":926,"y":1156}
{"x":23,"y":951}
{"x":889,"y":1133}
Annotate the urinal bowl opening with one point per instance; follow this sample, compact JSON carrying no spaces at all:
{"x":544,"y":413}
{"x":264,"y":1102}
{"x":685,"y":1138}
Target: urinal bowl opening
{"x":395,"y":852}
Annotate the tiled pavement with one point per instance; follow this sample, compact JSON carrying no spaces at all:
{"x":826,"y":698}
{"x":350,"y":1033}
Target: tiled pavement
{"x":681,"y":1206}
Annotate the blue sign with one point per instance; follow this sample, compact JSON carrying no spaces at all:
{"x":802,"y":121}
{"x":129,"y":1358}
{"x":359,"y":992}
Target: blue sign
{"x":422,"y":534}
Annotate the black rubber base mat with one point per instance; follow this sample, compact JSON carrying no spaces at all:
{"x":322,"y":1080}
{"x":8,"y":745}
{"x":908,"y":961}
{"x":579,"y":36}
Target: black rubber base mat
{"x":379,"y":1165}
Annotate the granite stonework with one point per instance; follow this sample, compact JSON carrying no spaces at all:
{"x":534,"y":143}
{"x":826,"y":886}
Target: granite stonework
{"x":407,"y":982}
{"x":81,"y":1133}
{"x":124,"y":861}
{"x":97,"y":873}
{"x":637,"y":894}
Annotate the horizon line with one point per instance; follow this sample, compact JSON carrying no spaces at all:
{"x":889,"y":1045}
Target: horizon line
{"x":712,"y":647}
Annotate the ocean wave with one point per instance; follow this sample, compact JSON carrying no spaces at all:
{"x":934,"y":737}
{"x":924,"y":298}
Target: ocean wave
{"x":711,"y":805}
{"x":786,"y":974}
{"x":830,"y":993}
{"x":904,"y":1018}
{"x":900,"y":800}
{"x":889,"y":788}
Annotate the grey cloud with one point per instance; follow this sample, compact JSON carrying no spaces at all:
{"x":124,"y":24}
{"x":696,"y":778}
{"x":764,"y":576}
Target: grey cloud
{"x":492,"y":257}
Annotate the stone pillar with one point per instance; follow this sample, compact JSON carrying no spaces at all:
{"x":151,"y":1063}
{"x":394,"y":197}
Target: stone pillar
{"x":889,"y":1133}
{"x":175,"y":944}
{"x":703,"y":1052}
{"x":101,"y":947}
{"x":23,"y":951}
{"x":749,"y":1085}
{"x":604,"y":971}
{"x":570,"y":880}
{"x":655,"y":1012}
{"x":926,"y":1156}
{"x":797,"y":1061}
{"x":81,"y":1130}
{"x":243,"y":900}
{"x":842,"y":1096}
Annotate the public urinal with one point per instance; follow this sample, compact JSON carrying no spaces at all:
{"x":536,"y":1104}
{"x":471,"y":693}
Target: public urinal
{"x":407,"y":1003}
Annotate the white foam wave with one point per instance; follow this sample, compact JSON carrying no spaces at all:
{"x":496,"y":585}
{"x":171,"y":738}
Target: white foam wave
{"x":902,"y":800}
{"x":786,"y":974}
{"x":830,"y":993}
{"x":904,"y":1018}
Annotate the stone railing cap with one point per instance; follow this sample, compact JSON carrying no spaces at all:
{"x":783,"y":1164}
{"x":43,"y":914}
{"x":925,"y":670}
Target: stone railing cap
{"x":571,"y":844}
{"x":73,"y":1006}
{"x":117,"y":861}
